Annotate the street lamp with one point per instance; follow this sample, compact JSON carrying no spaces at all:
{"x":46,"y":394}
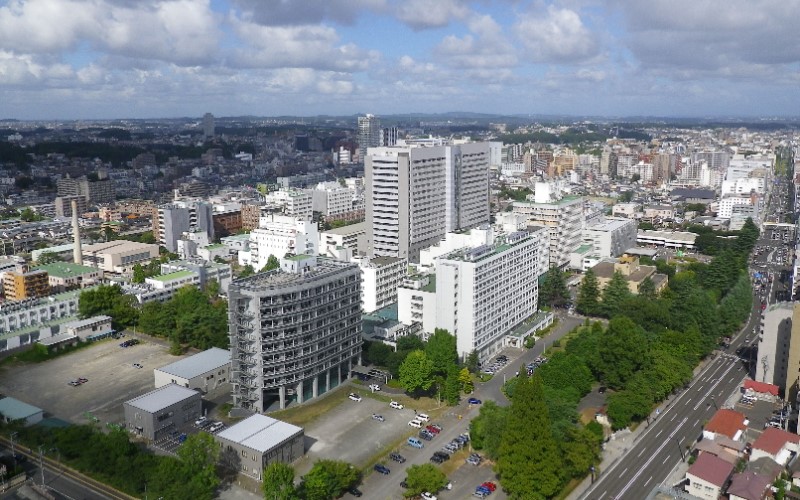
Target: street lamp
{"x":680,"y":450}
{"x":591,"y":469}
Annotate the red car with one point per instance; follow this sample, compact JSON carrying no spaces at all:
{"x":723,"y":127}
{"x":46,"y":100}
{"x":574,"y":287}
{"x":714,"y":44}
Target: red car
{"x":432,"y":429}
{"x":490,"y":485}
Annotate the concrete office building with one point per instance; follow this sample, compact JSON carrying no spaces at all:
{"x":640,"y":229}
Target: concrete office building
{"x":353,"y":236}
{"x":204,"y":371}
{"x":295,"y":202}
{"x":95,"y":190}
{"x":478,"y":293}
{"x":726,"y":204}
{"x":561,"y":214}
{"x":158,"y":413}
{"x":295,"y":331}
{"x":330,"y":198}
{"x":610,"y":237}
{"x":64,"y":276}
{"x":416,"y":194}
{"x":208,"y":126}
{"x":22,"y":314}
{"x":118,"y":256}
{"x":63,"y":205}
{"x":257,"y":441}
{"x":179,"y":217}
{"x":775,"y":339}
{"x":380,"y":277}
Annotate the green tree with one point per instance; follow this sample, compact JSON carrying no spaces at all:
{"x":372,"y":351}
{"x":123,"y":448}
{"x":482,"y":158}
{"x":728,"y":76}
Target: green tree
{"x":272,"y":263}
{"x":278,"y":482}
{"x":452,"y":386}
{"x":138,"y":274}
{"x":328,"y":479}
{"x":213,"y":289}
{"x":47,"y":258}
{"x":487,"y":429}
{"x":378,"y":353}
{"x":472,"y":361}
{"x":416,"y":372}
{"x":110,"y":301}
{"x":623,"y":347}
{"x":588,"y":301}
{"x":581,"y":450}
{"x":422,"y":478}
{"x":647,"y":289}
{"x":246,"y":271}
{"x":553,"y":292}
{"x":615,"y":294}
{"x":198,"y":456}
{"x":465,"y":379}
{"x":530,"y":463}
{"x":441,"y":350}
{"x":410,"y":343}
{"x":28,"y":215}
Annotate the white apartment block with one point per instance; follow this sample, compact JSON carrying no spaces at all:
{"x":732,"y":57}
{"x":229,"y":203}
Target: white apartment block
{"x":743,"y":186}
{"x":279,"y":235}
{"x":628,"y":210}
{"x":380,"y":277}
{"x":563,"y":218}
{"x":610,"y":237}
{"x":478,"y":293}
{"x":725,"y":207}
{"x":353,"y":236}
{"x":295,"y":202}
{"x":415,"y":194}
{"x":331,"y":198}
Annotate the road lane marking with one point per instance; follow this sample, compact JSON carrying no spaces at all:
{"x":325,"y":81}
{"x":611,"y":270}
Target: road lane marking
{"x":659,"y":432}
{"x":666,"y":459}
{"x":673,"y":417}
{"x":640,"y":453}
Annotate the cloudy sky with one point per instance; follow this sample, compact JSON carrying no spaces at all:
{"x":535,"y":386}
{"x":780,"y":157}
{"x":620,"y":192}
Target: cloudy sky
{"x":164,"y":58}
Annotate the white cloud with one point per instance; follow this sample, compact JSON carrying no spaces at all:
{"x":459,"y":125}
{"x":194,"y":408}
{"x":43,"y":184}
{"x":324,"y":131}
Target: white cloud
{"x":557,"y":35}
{"x":179,"y":31}
{"x":488,"y":48}
{"x":283,"y":12}
{"x":425,"y":14}
{"x":306,"y":46}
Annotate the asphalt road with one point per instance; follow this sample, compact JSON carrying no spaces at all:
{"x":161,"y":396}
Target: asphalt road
{"x":378,"y":486}
{"x":649,"y":460}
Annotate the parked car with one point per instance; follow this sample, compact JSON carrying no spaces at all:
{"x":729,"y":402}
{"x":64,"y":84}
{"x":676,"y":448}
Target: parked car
{"x":354,"y":397}
{"x":216,"y":426}
{"x":415,"y":442}
{"x":437,"y":427}
{"x":200,"y":421}
{"x":374,"y":387}
{"x":355,"y":492}
{"x":377,"y":417}
{"x":415,"y":424}
{"x":428,"y":496}
{"x":444,"y":456}
{"x":396,"y":405}
{"x":397,"y":457}
{"x":138,"y":365}
{"x":490,"y":485}
{"x":474,"y":401}
{"x":432,"y":429}
{"x":83,"y":380}
{"x":437,"y":459}
{"x":382,"y":469}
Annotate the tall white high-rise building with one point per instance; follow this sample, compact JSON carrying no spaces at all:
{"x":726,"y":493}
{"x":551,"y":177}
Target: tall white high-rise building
{"x":369,"y":133}
{"x":416,"y":194}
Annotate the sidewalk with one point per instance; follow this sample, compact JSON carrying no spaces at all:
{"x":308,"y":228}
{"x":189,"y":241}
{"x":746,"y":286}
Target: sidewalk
{"x":624,"y":440}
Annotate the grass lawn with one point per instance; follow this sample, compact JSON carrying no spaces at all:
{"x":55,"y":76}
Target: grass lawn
{"x":306,"y":413}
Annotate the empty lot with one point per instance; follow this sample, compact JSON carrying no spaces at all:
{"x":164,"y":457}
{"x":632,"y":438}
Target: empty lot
{"x":112,"y":380}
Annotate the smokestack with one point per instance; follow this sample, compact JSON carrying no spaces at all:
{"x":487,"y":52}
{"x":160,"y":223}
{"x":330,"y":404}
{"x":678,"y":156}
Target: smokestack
{"x":77,"y":254}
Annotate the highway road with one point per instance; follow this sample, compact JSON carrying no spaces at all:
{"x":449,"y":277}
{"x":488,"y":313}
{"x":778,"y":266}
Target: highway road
{"x":651,"y":458}
{"x":382,"y":487}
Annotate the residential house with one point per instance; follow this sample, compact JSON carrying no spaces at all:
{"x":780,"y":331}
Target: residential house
{"x":707,"y":476}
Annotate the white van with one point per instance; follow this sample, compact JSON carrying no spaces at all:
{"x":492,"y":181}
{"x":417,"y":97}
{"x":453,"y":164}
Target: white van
{"x":422,"y":417}
{"x":415,"y":424}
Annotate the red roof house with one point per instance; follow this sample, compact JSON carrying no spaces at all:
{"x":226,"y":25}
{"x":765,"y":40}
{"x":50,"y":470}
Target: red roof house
{"x":761,"y":389}
{"x":707,"y":476}
{"x":776,"y":444}
{"x":725,"y":422}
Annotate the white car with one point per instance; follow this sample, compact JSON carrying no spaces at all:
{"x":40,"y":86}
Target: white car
{"x":354,"y":397}
{"x":428,"y":496}
{"x":216,"y":426}
{"x":396,"y":405}
{"x":374,"y":387}
{"x":200,"y":421}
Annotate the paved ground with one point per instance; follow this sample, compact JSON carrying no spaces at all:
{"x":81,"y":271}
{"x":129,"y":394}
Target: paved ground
{"x":109,"y":368}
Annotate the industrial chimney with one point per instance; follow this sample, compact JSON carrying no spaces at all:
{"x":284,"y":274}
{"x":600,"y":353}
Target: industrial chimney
{"x":77,"y":254}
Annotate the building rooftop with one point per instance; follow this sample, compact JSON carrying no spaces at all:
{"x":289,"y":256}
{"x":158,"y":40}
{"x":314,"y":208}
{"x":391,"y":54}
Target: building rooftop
{"x":116,"y":246}
{"x":359,"y":227}
{"x":259,"y":432}
{"x":215,"y":246}
{"x":278,"y":279}
{"x":14,"y":409}
{"x":669,"y":235}
{"x":162,"y":397}
{"x":727,"y":422}
{"x":199,"y":363}
{"x":611,"y":224}
{"x":66,"y":269}
{"x":772,"y":440}
{"x":86,"y":322}
{"x":711,"y":469}
{"x":749,"y":485}
{"x":173,"y":276}
{"x":431,"y":286}
{"x":299,"y":257}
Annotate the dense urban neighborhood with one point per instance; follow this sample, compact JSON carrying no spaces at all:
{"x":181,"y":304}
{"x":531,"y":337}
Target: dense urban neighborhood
{"x":474,"y":306}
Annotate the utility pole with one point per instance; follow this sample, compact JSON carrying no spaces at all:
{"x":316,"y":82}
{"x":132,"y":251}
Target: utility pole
{"x":13,"y":453}
{"x":680,"y":450}
{"x":41,"y":462}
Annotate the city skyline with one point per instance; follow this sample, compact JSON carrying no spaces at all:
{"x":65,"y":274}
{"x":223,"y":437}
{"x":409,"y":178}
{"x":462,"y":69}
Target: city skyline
{"x":102,"y":59}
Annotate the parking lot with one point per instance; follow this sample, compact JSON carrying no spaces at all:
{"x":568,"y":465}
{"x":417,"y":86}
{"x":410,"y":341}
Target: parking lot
{"x":112,"y":379}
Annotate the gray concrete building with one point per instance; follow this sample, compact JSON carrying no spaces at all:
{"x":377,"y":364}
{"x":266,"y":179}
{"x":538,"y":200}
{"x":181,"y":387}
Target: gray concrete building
{"x":158,"y":413}
{"x":204,"y":371}
{"x":257,"y":441}
{"x":176,"y":218}
{"x":295,"y":331}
